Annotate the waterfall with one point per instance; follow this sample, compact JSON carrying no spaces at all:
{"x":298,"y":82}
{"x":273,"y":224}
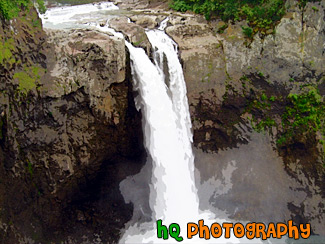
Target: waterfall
{"x":167,"y":130}
{"x":168,"y":139}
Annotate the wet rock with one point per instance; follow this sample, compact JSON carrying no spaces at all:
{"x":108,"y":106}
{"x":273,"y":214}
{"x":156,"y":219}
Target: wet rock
{"x":146,"y":21}
{"x":131,"y":4}
{"x":142,"y":4}
{"x":134,"y":33}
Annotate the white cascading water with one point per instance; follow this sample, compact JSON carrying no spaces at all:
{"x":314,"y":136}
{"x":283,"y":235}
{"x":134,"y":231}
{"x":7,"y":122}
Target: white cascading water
{"x":167,"y":135}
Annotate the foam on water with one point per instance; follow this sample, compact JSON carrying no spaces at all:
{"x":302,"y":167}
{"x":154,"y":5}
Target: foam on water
{"x":70,"y":16}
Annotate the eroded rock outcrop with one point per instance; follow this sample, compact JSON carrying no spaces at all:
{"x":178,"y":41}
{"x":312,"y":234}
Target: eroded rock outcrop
{"x":225,"y":73}
{"x":69,"y":134}
{"x":134,"y":33}
{"x":228,"y":75}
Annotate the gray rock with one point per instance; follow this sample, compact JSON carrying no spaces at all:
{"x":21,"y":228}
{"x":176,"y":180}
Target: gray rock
{"x":134,"y":33}
{"x":214,"y":65}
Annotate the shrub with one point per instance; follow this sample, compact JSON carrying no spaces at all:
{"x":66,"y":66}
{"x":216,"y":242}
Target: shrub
{"x":305,"y":113}
{"x":260,"y":14}
{"x":10,"y":8}
{"x":41,"y":6}
{"x":248,"y":31}
{"x":302,"y":3}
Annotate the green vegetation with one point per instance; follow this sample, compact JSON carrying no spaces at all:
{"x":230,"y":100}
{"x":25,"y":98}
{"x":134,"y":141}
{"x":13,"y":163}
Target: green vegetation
{"x":10,"y":8}
{"x":247,"y":31}
{"x":28,"y":78}
{"x":6,"y":48}
{"x":305,"y":113}
{"x":137,"y":43}
{"x":222,"y":29}
{"x":261,"y":103}
{"x":30,"y":169}
{"x":260,"y":74}
{"x":302,"y":114}
{"x":314,"y":8}
{"x":302,"y":3}
{"x":32,"y":22}
{"x":40,"y":6}
{"x":260,"y":15}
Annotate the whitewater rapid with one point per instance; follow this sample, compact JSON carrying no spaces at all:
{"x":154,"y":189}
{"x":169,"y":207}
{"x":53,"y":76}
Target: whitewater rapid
{"x":78,"y":16}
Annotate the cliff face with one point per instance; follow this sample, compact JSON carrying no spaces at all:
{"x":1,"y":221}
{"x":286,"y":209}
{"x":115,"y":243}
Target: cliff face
{"x":250,"y":162}
{"x":67,"y":119}
{"x":70,"y":132}
{"x":233,"y":80}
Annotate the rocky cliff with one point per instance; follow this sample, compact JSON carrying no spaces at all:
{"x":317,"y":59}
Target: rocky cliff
{"x":238,"y":90}
{"x":252,"y":163}
{"x":70,"y":132}
{"x":67,"y":120}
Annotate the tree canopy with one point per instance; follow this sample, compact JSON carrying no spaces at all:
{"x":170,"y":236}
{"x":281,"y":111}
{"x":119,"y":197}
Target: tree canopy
{"x":10,"y":8}
{"x":259,"y":14}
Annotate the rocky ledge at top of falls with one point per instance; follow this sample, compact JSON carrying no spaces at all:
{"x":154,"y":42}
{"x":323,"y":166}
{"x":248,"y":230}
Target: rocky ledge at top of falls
{"x":133,"y":33}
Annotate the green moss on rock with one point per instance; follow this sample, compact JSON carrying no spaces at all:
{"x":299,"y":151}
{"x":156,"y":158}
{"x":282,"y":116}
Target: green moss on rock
{"x":302,"y":115}
{"x":28,"y":78}
{"x":10,"y":8}
{"x":6,"y":48}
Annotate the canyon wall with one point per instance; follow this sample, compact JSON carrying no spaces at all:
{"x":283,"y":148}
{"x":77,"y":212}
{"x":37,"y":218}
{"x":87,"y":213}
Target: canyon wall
{"x":240,"y":89}
{"x":234,"y":80}
{"x":69,"y":134}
